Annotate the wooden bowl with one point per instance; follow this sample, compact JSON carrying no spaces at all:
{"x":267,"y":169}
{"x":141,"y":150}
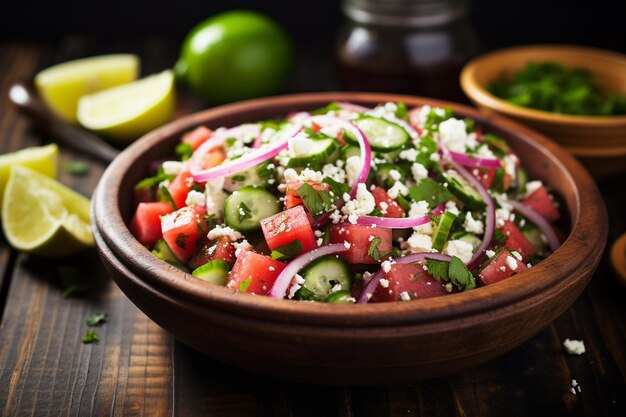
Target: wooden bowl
{"x":351,"y":344}
{"x":599,"y":141}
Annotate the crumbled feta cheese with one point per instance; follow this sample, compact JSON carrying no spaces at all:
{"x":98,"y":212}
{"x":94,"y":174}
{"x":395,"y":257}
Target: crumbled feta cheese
{"x":511,"y":262}
{"x":172,"y":167}
{"x":405,"y":296}
{"x":318,"y":233}
{"x":417,"y":210}
{"x":434,"y":157}
{"x":290,"y":174}
{"x":353,"y":168}
{"x":483,"y":151}
{"x":419,"y":171}
{"x":473,"y":226}
{"x":574,"y":347}
{"x":453,"y":134}
{"x":517,"y":255}
{"x":502,"y":215}
{"x":460,"y":248}
{"x":448,"y":287}
{"x":335,"y":216}
{"x":346,"y":197}
{"x":296,"y":284}
{"x":319,"y":241}
{"x":419,"y":242}
{"x":384,"y":283}
{"x":452,"y":208}
{"x":335,"y":288}
{"x":215,"y":196}
{"x":241,"y":246}
{"x":334,"y":172}
{"x":502,"y":268}
{"x":409,"y":154}
{"x":309,"y":174}
{"x":346,"y":244}
{"x":353,"y":218}
{"x":386,"y":266}
{"x":532,"y":186}
{"x":219,"y":231}
{"x":301,"y":144}
{"x":395,"y":175}
{"x":397,"y":189}
{"x":424,"y":111}
{"x":195,"y":197}
{"x":363,"y":203}
{"x":510,"y":165}
{"x":489,"y":253}
{"x":271,"y":268}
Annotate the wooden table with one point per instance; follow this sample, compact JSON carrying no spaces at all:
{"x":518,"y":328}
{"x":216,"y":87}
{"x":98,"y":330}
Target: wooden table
{"x":139,"y":369}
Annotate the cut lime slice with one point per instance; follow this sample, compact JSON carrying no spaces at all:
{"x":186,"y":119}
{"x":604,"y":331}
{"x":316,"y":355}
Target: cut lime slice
{"x":44,"y":217}
{"x":61,"y":86}
{"x":128,"y":111}
{"x":40,"y":158}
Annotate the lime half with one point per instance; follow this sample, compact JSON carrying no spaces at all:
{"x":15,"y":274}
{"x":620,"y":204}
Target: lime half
{"x":44,"y":217}
{"x":128,"y":111}
{"x":40,"y":158}
{"x":61,"y":86}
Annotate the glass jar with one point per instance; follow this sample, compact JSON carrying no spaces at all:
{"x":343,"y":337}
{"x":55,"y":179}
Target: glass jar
{"x":405,"y":46}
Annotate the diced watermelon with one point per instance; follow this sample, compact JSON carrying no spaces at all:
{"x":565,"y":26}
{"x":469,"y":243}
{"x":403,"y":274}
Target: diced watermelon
{"x":487,"y":176}
{"x":183,"y":231}
{"x":360,"y":238}
{"x":392,"y":208}
{"x":516,"y":240}
{"x":292,"y":199}
{"x":254,"y":273}
{"x":213,"y":158}
{"x":499,"y":268}
{"x":287,"y":226}
{"x":146,"y":222}
{"x":197,"y":137}
{"x":221,"y":248}
{"x":540,"y":201}
{"x":409,"y":278}
{"x":180,"y":187}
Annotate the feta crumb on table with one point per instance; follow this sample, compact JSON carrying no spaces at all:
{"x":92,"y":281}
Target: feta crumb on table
{"x":574,"y":347}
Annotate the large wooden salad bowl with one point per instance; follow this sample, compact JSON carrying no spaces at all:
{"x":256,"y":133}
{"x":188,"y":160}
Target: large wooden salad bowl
{"x":351,"y":344}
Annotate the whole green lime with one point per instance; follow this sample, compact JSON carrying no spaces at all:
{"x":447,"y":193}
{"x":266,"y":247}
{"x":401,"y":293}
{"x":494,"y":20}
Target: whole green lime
{"x":235,"y":55}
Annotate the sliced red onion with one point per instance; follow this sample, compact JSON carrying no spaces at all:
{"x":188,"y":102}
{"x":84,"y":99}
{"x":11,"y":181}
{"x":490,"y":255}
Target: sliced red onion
{"x":366,"y":157}
{"x":231,"y":167}
{"x":370,"y":287}
{"x":474,"y":162}
{"x":351,"y":106}
{"x":438,"y":211}
{"x":393,"y":223}
{"x":540,"y":221}
{"x":279,"y":289}
{"x":490,"y":221}
{"x":257,"y":141}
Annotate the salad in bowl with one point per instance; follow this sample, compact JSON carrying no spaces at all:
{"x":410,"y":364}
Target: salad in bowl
{"x":347,"y":204}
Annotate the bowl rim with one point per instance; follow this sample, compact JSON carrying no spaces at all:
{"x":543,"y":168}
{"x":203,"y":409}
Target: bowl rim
{"x":589,"y":208}
{"x":479,"y":94}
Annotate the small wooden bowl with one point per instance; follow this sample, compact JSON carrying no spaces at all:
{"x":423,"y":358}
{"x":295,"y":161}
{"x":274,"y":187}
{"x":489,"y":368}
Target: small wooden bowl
{"x":351,"y":344}
{"x":599,"y":141}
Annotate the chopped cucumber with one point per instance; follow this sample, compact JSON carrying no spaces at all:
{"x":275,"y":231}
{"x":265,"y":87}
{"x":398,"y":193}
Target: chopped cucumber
{"x":163,"y":252}
{"x":383,"y":135}
{"x":533,"y":234}
{"x":443,"y":230}
{"x":468,"y":237}
{"x":340,"y":297}
{"x":321,"y":275}
{"x":215,"y":271}
{"x":350,"y":150}
{"x":522,"y":180}
{"x":383,"y":176}
{"x":462,"y":190}
{"x":244,"y":209}
{"x":319,"y":152}
{"x":256,"y":175}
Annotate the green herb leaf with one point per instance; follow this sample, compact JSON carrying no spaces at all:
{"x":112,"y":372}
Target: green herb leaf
{"x":338,"y":189}
{"x":401,"y":111}
{"x":181,"y":240}
{"x":316,"y":201}
{"x":330,"y":107}
{"x":168,"y":197}
{"x":430,"y":191}
{"x":152,"y":181}
{"x":184,"y":151}
{"x":96,"y":319}
{"x":289,"y":250}
{"x":438,"y":269}
{"x":71,"y":281}
{"x":373,"y":250}
{"x":435,"y":117}
{"x":245,"y":284}
{"x":275,"y":124}
{"x":90,"y":337}
{"x":460,"y":275}
{"x":499,"y":237}
{"x":315,"y":135}
{"x":244,"y":212}
{"x":76,"y":167}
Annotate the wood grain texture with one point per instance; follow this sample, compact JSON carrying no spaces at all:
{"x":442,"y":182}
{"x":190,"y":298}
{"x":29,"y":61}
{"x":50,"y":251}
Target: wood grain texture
{"x":138,"y":369}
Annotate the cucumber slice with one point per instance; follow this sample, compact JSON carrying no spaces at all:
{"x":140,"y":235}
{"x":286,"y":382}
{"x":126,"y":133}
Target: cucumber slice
{"x":533,"y":234}
{"x":256,"y":175}
{"x":443,"y":230}
{"x":321,"y":275}
{"x":319,"y":152}
{"x":162,"y":251}
{"x":215,"y":271}
{"x":462,"y":190}
{"x":384,"y":178}
{"x":340,"y":297}
{"x":468,"y":237}
{"x":522,"y":180}
{"x":383,"y":135}
{"x":244,"y":209}
{"x":350,"y":150}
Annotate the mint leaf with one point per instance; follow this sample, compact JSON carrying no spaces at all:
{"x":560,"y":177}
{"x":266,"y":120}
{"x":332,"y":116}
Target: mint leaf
{"x":438,"y":269}
{"x":244,"y":212}
{"x":401,"y":111}
{"x":499,"y":237}
{"x":317,"y":202}
{"x":244,"y":285}
{"x":165,"y":193}
{"x":460,"y":275}
{"x":96,"y":319}
{"x":330,"y":107}
{"x":338,"y":189}
{"x":430,"y":191}
{"x":315,"y":135}
{"x":287,"y":251}
{"x":90,"y":337}
{"x":184,"y":151}
{"x":373,"y":250}
{"x":152,"y":181}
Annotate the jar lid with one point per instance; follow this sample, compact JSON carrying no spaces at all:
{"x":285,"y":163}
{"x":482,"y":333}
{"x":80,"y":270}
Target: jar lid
{"x":412,"y":13}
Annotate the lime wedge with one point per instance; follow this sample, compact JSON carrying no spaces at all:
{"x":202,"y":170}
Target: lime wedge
{"x":39,"y":158}
{"x":43,"y":216}
{"x":126,"y":112}
{"x":62,"y":85}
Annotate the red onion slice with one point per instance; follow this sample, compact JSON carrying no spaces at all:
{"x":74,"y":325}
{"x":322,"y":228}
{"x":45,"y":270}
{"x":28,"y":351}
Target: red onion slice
{"x":279,"y":289}
{"x":352,"y":107}
{"x":490,"y":221}
{"x":438,"y":211}
{"x":540,"y":221}
{"x":393,"y":223}
{"x":370,"y":287}
{"x":474,"y":162}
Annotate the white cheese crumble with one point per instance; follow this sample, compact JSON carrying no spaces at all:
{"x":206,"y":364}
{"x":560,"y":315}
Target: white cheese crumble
{"x":409,"y":154}
{"x":419,"y":242}
{"x":318,"y":233}
{"x":574,"y":347}
{"x":309,"y":174}
{"x":353,"y":168}
{"x":510,"y":165}
{"x":195,"y":197}
{"x":511,"y":262}
{"x":172,"y":167}
{"x":301,"y":144}
{"x":453,"y":134}
{"x":334,"y":172}
{"x":448,"y":287}
{"x":241,"y":246}
{"x":219,"y":231}
{"x":417,"y":210}
{"x":532,"y":186}
{"x":517,"y":255}
{"x":405,"y":296}
{"x":395,"y":174}
{"x":384,"y":283}
{"x":383,"y":207}
{"x":346,"y":244}
{"x":483,"y":151}
{"x":419,"y":171}
{"x":472,"y":225}
{"x":397,"y":189}
{"x":363,"y":203}
{"x":452,"y":208}
{"x":335,"y":288}
{"x":386,"y":266}
{"x":290,"y":174}
{"x":215,"y":196}
{"x":459,"y":248}
{"x":489,"y":253}
{"x":296,"y":284}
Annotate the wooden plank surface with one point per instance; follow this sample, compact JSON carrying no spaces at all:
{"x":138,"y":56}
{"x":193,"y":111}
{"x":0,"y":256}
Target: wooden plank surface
{"x":139,"y":369}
